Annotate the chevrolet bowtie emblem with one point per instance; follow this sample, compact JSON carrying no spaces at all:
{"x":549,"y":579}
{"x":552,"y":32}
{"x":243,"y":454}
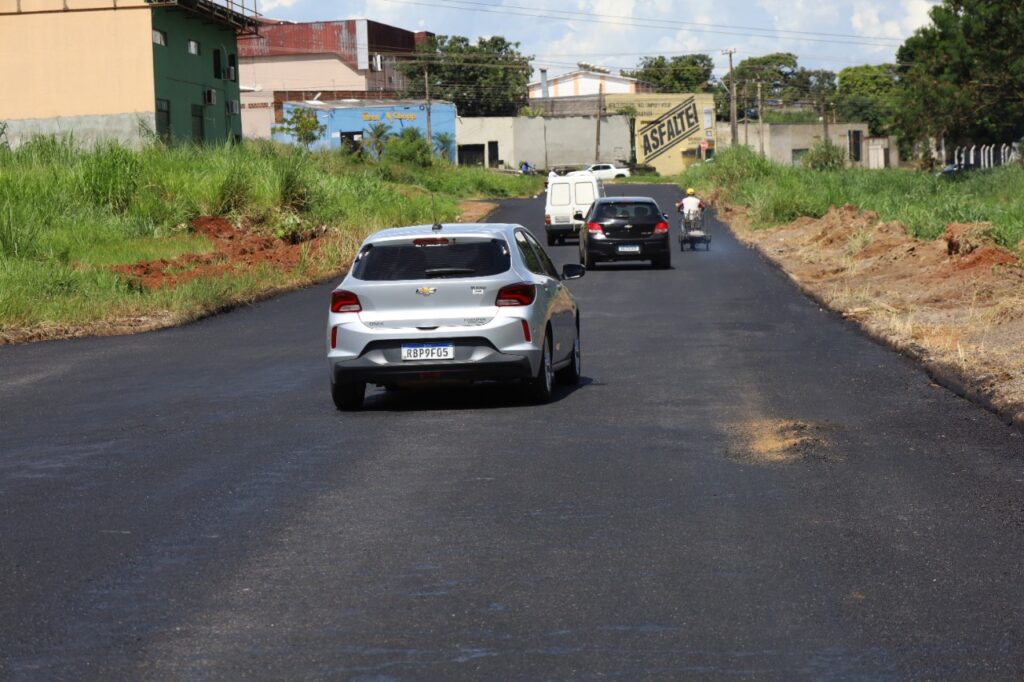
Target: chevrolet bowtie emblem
{"x":426,"y":291}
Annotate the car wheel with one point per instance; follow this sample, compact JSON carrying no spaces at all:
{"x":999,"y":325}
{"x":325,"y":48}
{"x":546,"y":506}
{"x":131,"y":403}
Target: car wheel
{"x":620,"y":175}
{"x":551,"y":239}
{"x":570,"y":376}
{"x":540,"y":387}
{"x":587,"y":260}
{"x":348,"y":396}
{"x":662,"y":262}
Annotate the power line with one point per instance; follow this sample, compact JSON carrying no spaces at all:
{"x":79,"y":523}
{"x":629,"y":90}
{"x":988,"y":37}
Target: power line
{"x":657,"y":23}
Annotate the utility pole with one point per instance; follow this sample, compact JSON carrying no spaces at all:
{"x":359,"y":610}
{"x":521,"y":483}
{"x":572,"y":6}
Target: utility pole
{"x":746,"y":116}
{"x":732,"y":100}
{"x":760,"y":117}
{"x":426,"y":86}
{"x":600,"y":107}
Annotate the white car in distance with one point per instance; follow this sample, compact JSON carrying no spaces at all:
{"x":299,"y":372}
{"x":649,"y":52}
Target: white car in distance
{"x":604,"y":171}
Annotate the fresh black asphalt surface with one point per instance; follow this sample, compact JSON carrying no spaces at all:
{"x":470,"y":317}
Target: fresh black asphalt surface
{"x":188,"y":504}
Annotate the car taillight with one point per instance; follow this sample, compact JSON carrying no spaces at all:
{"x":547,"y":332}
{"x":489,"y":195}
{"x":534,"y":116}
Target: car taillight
{"x":661,"y":228}
{"x":522,"y":293}
{"x":547,"y":219}
{"x":345,"y":302}
{"x":595,"y":228}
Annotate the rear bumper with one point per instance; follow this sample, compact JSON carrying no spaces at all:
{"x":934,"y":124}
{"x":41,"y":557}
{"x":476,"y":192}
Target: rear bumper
{"x":609,"y":250}
{"x":496,"y":366}
{"x":475,"y":360}
{"x":563,"y":230}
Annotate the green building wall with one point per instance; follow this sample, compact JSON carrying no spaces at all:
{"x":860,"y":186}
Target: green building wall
{"x":181,"y":78}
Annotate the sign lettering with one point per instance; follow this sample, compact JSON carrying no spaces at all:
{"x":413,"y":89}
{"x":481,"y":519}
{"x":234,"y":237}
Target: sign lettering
{"x":674,"y":126}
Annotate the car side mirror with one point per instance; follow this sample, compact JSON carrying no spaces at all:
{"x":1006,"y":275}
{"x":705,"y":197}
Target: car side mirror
{"x":573,"y":271}
{"x":577,"y":216}
{"x":665,"y":216}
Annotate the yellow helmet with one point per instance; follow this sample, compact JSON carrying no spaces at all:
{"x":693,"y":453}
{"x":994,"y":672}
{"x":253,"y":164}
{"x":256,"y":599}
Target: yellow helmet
{"x":689,"y":191}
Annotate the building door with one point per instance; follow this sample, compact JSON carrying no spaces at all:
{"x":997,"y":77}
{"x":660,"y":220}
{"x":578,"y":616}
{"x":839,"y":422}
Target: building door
{"x":163,"y":120}
{"x":492,"y":153}
{"x":198,"y":131}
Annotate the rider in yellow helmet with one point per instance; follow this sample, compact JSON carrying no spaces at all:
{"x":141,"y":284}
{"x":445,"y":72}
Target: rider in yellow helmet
{"x":692,"y":203}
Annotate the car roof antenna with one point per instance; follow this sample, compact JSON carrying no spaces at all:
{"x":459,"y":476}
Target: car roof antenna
{"x":436,"y":227}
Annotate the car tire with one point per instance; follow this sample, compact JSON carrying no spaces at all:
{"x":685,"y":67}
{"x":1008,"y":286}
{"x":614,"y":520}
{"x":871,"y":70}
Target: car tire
{"x":662,"y":262}
{"x":348,"y":396}
{"x":551,"y":239}
{"x":541,"y":386}
{"x":587,"y":260}
{"x":570,"y":376}
{"x":620,"y":175}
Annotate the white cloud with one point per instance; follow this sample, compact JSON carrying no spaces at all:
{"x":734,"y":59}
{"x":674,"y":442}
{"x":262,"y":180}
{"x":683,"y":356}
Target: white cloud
{"x":271,"y":5}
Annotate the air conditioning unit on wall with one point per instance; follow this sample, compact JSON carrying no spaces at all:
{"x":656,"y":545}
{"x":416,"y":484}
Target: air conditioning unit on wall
{"x":233,"y":106}
{"x":210,"y":96}
{"x":231,"y":73}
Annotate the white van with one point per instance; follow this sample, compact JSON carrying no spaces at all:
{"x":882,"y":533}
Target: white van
{"x":566,"y":196}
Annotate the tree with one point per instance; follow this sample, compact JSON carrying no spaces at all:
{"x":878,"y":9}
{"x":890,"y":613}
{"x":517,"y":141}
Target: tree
{"x":774,"y":71}
{"x":444,"y":145}
{"x":962,"y":76}
{"x":375,"y":137}
{"x":485,"y":79}
{"x":817,"y":89}
{"x":682,"y":73}
{"x":302,"y":124}
{"x":868,"y":93}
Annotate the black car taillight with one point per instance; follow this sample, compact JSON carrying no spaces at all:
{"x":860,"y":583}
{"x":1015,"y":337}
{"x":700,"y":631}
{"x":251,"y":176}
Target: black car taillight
{"x":661,"y":228}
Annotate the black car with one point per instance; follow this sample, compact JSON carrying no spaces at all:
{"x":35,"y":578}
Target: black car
{"x":623,"y":229}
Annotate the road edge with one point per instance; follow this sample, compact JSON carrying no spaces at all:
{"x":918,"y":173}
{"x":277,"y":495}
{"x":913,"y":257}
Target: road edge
{"x":947,"y":376}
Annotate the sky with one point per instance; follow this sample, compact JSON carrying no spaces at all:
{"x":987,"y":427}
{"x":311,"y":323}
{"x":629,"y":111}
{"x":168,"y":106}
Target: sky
{"x":825,"y":34}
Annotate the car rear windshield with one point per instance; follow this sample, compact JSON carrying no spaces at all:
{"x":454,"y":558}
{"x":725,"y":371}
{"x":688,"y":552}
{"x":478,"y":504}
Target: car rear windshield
{"x":631,"y":210}
{"x":432,"y":258}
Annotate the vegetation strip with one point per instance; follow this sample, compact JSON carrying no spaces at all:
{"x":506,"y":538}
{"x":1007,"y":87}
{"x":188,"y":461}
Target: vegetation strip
{"x":112,"y":240}
{"x":954,"y":303}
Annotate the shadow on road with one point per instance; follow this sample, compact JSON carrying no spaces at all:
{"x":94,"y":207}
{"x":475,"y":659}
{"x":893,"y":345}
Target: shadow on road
{"x":479,"y":396}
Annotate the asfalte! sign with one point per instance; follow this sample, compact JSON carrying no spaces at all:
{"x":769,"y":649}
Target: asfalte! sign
{"x":677,"y":124}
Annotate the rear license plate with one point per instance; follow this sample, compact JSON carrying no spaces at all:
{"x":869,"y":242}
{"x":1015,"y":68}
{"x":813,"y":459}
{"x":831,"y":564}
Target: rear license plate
{"x":629,"y":249}
{"x":428,"y":351}
{"x":561,"y":219}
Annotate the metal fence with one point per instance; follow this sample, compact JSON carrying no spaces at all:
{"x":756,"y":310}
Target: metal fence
{"x":985,"y":155}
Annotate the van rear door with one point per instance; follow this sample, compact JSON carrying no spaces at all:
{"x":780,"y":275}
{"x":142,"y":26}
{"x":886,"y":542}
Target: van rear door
{"x":583,"y":195}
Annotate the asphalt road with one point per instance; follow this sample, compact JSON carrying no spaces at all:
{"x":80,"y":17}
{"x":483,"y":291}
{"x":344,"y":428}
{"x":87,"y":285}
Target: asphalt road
{"x":188,"y":503}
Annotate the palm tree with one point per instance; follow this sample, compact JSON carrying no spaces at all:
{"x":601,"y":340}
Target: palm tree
{"x":374,"y":138}
{"x":444,"y":143}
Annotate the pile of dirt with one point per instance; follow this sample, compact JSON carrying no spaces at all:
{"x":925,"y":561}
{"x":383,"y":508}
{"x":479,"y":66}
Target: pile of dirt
{"x":956,"y":303}
{"x":781,"y":441}
{"x":233,"y":251}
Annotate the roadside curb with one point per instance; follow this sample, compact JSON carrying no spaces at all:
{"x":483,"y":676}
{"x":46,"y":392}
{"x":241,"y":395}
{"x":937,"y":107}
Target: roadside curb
{"x":948,"y":376}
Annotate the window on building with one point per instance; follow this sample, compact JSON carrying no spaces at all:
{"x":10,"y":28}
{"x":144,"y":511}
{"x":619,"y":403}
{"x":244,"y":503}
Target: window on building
{"x":163,"y":119}
{"x":193,"y":47}
{"x":218,"y":66}
{"x":198,"y":128}
{"x":159,"y":38}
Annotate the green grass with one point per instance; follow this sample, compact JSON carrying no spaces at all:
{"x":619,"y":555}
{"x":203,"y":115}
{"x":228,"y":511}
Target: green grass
{"x":67,"y":214}
{"x":924,"y":203}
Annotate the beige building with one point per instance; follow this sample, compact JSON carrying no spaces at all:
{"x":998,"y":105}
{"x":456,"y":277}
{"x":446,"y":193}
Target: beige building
{"x":586,"y":80}
{"x":323,"y":61}
{"x":671,"y":131}
{"x":112,"y":70}
{"x":787,"y":143}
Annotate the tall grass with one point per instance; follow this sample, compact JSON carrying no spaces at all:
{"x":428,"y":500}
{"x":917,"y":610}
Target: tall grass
{"x":68,"y":213}
{"x":924,"y":203}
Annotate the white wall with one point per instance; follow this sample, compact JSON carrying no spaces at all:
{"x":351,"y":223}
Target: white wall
{"x":550,"y":142}
{"x":299,"y":72}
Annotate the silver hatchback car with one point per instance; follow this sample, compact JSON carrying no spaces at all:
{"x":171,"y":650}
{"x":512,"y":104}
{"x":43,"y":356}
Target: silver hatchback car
{"x":452,"y":302}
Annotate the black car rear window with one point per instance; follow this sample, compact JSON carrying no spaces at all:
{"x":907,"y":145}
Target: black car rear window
{"x":631,"y":210}
{"x":432,"y":258}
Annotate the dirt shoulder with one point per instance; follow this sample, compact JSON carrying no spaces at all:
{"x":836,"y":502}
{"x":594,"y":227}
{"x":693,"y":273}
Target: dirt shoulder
{"x":955,"y":304}
{"x":312,"y":258}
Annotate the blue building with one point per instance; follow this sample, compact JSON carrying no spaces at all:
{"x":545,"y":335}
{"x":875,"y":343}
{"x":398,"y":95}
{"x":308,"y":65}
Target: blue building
{"x":347,"y":120}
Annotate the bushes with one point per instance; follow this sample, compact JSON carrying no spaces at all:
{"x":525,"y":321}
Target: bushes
{"x":924,"y":203}
{"x":825,"y":155}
